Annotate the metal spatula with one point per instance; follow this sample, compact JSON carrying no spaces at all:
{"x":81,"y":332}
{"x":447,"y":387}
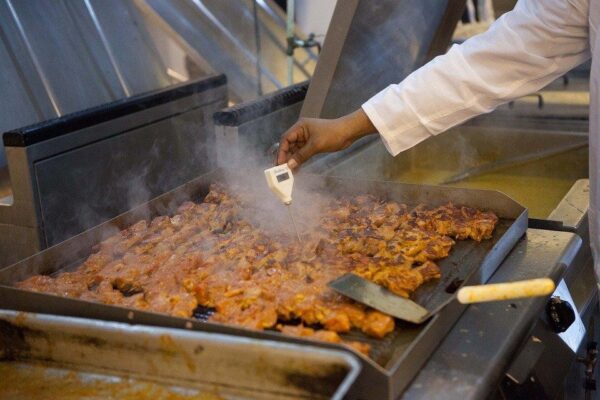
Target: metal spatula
{"x":379,"y":298}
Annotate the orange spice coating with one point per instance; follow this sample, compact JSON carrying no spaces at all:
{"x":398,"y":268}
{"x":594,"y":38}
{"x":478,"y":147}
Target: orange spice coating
{"x":209,"y":255}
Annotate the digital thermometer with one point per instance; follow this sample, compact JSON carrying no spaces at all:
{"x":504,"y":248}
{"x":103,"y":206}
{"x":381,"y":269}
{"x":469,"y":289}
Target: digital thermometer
{"x":281,"y":181}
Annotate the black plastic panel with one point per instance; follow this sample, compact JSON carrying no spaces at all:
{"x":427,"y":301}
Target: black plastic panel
{"x":82,"y":119}
{"x":251,"y":110}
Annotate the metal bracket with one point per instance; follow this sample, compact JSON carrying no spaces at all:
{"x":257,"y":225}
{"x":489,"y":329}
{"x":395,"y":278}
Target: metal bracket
{"x":540,"y":98}
{"x":294,"y":42}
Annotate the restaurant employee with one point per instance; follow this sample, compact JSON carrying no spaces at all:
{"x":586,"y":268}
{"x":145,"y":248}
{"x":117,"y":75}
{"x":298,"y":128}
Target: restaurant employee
{"x":523,"y":51}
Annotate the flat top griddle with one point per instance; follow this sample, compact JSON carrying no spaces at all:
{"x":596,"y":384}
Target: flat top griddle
{"x":394,"y":360}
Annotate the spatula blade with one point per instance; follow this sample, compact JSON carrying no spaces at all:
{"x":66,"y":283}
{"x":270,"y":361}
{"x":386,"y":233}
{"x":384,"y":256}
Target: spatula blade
{"x":379,"y":298}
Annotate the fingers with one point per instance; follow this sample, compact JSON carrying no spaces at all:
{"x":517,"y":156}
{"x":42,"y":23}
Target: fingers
{"x":285,"y":143}
{"x":292,"y":140}
{"x":301,"y":155}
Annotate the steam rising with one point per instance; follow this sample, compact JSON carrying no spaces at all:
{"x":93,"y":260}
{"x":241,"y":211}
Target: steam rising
{"x":243,"y":177}
{"x":247,"y":182}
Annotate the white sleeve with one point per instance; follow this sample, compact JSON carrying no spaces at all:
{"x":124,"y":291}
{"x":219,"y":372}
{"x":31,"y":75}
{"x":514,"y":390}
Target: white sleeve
{"x":522,"y":52}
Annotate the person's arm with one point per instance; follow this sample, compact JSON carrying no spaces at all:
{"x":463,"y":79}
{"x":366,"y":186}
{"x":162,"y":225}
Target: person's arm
{"x":310,"y":136}
{"x":522,"y":52}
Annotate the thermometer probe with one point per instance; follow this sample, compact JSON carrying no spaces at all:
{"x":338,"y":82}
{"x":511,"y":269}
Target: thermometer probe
{"x":281,"y":181}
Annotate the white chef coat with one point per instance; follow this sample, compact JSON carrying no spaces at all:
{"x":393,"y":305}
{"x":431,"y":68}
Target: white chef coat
{"x":522,"y":52}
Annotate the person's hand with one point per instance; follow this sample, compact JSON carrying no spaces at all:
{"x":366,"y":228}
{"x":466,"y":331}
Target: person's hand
{"x":310,"y":136}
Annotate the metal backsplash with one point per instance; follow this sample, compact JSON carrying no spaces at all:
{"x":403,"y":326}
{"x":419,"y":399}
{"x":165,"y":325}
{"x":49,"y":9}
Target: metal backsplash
{"x":60,"y":56}
{"x":371,"y":44}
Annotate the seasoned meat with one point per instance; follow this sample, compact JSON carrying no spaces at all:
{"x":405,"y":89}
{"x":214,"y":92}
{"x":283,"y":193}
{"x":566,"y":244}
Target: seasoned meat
{"x":213,"y":256}
{"x":457,"y":222}
{"x":322,"y":335}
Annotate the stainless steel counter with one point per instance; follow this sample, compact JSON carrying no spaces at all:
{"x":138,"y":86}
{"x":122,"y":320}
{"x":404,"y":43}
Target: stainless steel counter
{"x":80,"y":358}
{"x":477,"y":352}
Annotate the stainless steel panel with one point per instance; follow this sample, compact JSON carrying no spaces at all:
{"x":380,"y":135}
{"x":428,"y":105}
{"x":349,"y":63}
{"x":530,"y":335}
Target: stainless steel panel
{"x":61,"y":56}
{"x":21,"y":243}
{"x":231,"y":367}
{"x":572,"y":209}
{"x":87,"y":53}
{"x":205,"y":33}
{"x":571,"y":214}
{"x":85,"y":164}
{"x":54,"y":52}
{"x":474,"y":356}
{"x":69,"y":201}
{"x":221,"y":35}
{"x":20,"y":105}
{"x":24,"y":98}
{"x":371,"y":44}
{"x":136,"y":60}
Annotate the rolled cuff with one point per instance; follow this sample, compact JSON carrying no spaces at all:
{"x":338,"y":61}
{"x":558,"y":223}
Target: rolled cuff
{"x":399,"y":131}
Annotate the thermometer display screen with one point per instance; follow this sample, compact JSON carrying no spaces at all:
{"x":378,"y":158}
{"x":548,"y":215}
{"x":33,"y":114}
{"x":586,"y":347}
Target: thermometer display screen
{"x":283,"y":177}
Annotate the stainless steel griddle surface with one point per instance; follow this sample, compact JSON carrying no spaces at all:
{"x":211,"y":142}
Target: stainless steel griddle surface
{"x":394,"y":360}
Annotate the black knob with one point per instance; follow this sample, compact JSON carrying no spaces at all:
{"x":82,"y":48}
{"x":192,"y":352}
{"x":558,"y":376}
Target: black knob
{"x":560,"y":314}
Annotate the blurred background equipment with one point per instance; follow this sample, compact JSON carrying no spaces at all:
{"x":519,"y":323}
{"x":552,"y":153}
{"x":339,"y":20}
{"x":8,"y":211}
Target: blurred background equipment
{"x":245,"y":39}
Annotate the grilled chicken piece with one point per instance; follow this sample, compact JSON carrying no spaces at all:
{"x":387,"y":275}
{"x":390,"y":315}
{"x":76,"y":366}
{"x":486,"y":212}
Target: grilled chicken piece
{"x":323,"y":336}
{"x":402,"y":280}
{"x":214,"y":255}
{"x":457,"y":222}
{"x":68,"y":284}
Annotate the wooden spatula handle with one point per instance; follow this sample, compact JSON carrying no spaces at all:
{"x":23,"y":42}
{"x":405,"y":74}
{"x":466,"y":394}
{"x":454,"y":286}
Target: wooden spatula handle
{"x":505,"y":291}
